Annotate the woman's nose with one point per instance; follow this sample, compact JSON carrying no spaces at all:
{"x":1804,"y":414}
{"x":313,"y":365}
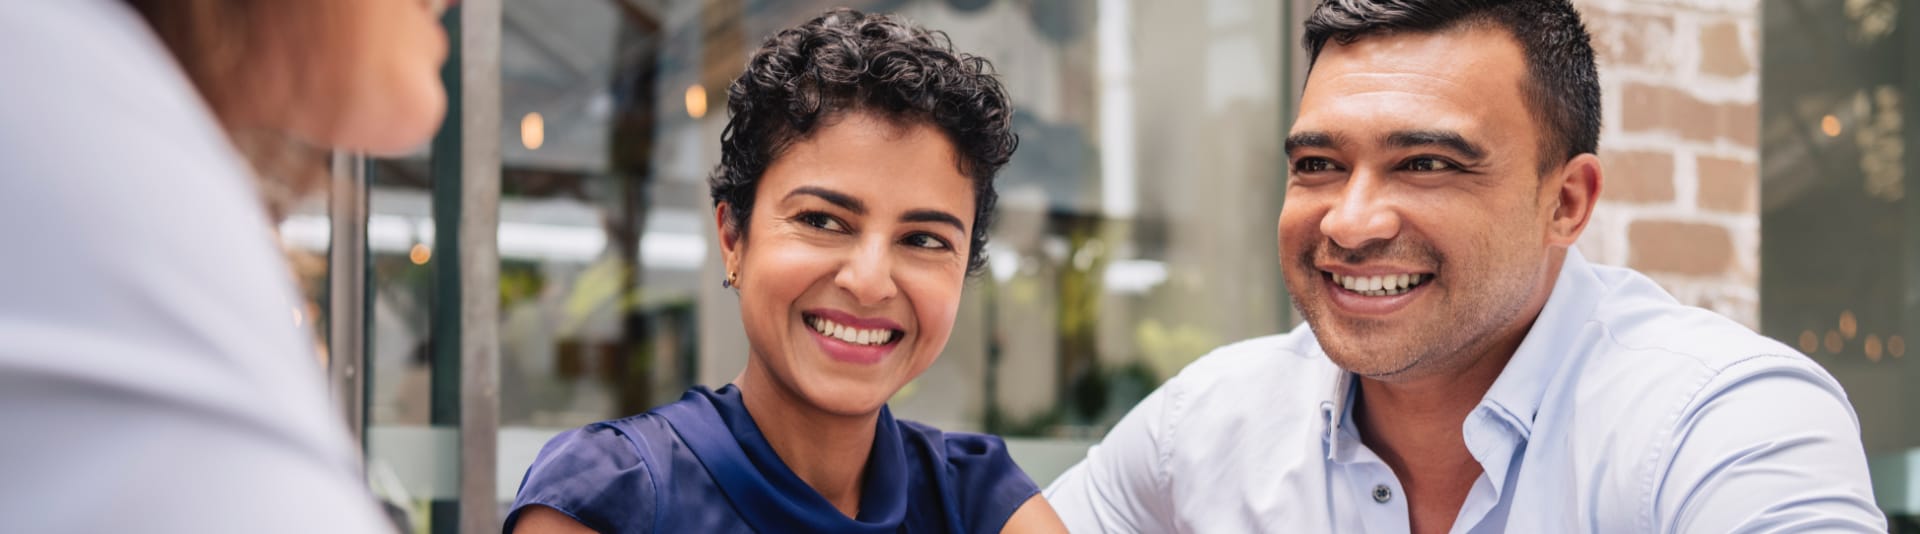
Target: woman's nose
{"x":868,"y":274}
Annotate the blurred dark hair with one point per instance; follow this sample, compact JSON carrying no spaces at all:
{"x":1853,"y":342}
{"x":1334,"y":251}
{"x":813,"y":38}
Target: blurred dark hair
{"x":1562,"y":87}
{"x":844,"y":62}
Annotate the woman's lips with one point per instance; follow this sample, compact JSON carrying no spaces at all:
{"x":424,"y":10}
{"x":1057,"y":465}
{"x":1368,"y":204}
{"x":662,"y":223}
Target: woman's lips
{"x":847,"y":338}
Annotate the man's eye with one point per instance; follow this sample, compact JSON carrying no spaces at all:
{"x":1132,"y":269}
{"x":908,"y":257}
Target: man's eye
{"x":928,"y":241}
{"x":1312,"y":165}
{"x":1429,"y":165}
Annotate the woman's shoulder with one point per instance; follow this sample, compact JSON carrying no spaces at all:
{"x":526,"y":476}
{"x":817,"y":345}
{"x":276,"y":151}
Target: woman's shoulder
{"x":987,"y":483}
{"x":606,"y":475}
{"x":957,"y":447}
{"x":624,"y":440}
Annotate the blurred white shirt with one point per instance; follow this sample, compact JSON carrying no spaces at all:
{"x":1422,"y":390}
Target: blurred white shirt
{"x":1622,"y":411}
{"x":152,"y":378}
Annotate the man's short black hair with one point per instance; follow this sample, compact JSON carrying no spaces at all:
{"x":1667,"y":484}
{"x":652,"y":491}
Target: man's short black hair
{"x":1562,"y":87}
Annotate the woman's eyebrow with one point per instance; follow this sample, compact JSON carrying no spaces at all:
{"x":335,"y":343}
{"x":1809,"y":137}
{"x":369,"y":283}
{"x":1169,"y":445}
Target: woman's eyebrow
{"x":934,"y":216}
{"x":836,"y":198}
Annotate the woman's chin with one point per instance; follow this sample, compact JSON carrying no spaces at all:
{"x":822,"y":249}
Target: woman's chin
{"x":403,"y":127}
{"x":849,"y":398}
{"x":404,"y":137}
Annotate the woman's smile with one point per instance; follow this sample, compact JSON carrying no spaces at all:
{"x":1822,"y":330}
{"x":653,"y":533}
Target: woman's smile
{"x":847,"y":338}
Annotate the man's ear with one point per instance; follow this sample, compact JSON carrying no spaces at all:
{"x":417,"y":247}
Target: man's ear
{"x":1571,"y":194}
{"x":730,"y":242}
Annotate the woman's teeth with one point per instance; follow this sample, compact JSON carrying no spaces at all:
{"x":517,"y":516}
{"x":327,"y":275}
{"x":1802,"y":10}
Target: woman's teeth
{"x":1381,"y":286}
{"x":857,"y":336}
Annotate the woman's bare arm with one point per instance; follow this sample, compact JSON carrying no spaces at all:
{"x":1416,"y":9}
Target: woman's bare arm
{"x":1035,"y":516}
{"x":538,"y":519}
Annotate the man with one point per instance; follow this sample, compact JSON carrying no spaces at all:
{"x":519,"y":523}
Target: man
{"x":1462,"y":367}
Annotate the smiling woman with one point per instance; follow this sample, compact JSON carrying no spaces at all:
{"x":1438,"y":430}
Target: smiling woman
{"x":851,"y":203}
{"x":856,"y":254}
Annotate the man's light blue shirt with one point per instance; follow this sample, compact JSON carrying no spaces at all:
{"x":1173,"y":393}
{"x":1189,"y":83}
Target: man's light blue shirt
{"x":1622,"y":411}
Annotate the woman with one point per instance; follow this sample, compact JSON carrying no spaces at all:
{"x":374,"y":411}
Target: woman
{"x":852,"y":200}
{"x":146,"y":312}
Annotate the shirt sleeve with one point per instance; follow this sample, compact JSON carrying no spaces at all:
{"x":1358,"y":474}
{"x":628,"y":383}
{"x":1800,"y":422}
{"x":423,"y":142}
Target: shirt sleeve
{"x":1770,"y":445}
{"x":595,"y":475}
{"x":1121,"y":486}
{"x":993,"y":486}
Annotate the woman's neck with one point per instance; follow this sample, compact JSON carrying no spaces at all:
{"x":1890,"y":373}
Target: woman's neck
{"x":827,"y":451}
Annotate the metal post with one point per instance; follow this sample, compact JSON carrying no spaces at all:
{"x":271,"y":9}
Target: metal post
{"x":479,"y":259}
{"x":346,"y":289}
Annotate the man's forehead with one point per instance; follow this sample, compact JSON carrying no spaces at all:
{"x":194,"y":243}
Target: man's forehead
{"x":1376,"y":117}
{"x":1466,"y":80}
{"x":1468,"y":55}
{"x":1457,"y":42}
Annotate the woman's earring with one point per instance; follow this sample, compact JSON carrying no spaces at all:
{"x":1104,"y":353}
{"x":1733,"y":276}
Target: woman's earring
{"x":731,"y":282}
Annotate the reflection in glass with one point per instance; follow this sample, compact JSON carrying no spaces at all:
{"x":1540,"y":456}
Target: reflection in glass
{"x":601,"y":217}
{"x":1840,"y":252}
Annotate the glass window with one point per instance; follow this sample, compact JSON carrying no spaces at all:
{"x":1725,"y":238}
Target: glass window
{"x":604,"y":233}
{"x":1840,"y":246}
{"x":1135,"y":230}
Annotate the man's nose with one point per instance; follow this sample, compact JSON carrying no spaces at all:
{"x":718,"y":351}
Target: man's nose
{"x":1361,"y":215}
{"x":868,"y":274}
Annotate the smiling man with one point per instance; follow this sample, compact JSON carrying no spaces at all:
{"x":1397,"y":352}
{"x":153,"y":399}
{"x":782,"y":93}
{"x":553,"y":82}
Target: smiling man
{"x":1462,"y":367}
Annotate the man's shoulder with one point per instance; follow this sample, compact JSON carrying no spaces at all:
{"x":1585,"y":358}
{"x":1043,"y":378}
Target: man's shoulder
{"x":1638,"y":325}
{"x":1263,"y":362}
{"x":1654,"y":359}
{"x":1655,"y":398}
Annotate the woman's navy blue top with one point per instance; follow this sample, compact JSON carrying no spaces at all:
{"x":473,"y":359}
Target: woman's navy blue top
{"x":701,"y":465}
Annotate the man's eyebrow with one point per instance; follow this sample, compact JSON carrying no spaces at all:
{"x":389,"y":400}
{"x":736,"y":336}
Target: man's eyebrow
{"x":1311,"y":140}
{"x":1443,"y":138}
{"x":934,"y":216}
{"x":836,"y":198}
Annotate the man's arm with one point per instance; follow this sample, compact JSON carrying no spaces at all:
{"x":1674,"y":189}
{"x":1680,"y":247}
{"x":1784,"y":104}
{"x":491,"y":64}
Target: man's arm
{"x":1121,"y":486}
{"x":1771,"y":445}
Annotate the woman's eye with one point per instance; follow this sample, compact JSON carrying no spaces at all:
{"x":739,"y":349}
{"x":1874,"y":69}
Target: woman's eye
{"x":1428,"y":165}
{"x":1307,"y":165}
{"x":928,"y":241}
{"x":821,"y":221}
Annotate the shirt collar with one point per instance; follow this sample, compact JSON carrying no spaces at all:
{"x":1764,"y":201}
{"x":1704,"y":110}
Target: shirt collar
{"x":1553,"y":339}
{"x":1335,"y":422}
{"x":767,"y":494}
{"x":1514,"y":399}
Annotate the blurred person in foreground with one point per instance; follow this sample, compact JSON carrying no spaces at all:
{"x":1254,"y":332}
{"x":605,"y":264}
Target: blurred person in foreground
{"x":152,"y":377}
{"x":852,"y":199}
{"x":1462,"y":368}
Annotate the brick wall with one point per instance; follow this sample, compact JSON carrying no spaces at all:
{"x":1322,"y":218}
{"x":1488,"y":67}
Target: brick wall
{"x":1679,"y":202}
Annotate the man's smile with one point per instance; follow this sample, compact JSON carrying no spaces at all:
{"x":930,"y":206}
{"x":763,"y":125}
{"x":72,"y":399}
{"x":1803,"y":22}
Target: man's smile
{"x":1379,"y":286}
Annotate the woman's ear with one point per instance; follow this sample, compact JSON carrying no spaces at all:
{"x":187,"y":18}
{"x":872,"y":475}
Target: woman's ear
{"x":730,"y":242}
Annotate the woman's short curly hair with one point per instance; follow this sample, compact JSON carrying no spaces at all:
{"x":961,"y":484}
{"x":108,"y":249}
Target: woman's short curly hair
{"x":847,"y":61}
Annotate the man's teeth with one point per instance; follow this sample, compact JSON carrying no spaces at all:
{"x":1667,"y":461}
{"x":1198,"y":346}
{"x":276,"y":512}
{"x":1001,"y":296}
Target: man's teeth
{"x":1382,"y":286}
{"x":857,"y":336}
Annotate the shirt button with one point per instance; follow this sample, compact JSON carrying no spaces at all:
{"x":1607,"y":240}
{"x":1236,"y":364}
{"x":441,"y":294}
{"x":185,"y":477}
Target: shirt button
{"x":1382,"y":494}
